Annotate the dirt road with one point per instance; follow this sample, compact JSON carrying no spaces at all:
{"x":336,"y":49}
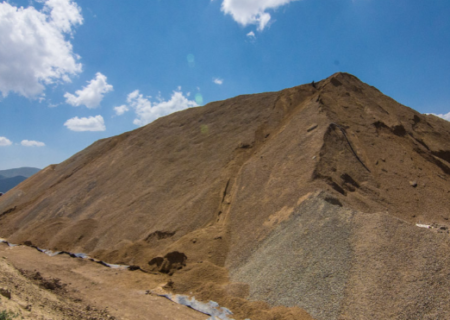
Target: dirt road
{"x":60,"y":287}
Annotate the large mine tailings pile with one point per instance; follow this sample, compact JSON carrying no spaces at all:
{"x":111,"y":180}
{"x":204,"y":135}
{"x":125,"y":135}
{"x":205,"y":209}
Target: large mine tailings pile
{"x":308,"y":197}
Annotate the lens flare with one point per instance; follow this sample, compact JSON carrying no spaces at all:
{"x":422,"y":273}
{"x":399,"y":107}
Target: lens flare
{"x":204,"y":129}
{"x":191,"y":60}
{"x":199,"y":99}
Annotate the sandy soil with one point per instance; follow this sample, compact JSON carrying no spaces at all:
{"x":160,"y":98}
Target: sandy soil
{"x":84,"y":290}
{"x":61,"y":287}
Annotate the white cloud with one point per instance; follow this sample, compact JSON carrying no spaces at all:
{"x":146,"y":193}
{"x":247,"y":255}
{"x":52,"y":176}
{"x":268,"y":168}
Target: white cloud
{"x":5,"y":142}
{"x":443,"y":116}
{"x":32,"y":143}
{"x":33,"y":50}
{"x":63,"y":13}
{"x":92,"y":94}
{"x":218,"y":81}
{"x":251,"y":34}
{"x":247,"y":12}
{"x":146,"y":111}
{"x":86,"y":124}
{"x":120,"y":110}
{"x":132,"y":96}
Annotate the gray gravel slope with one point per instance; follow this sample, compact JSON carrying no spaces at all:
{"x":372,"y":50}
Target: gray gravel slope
{"x":342,"y":264}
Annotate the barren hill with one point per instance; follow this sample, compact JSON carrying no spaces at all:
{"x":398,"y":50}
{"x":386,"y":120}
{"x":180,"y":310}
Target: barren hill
{"x":308,"y":197}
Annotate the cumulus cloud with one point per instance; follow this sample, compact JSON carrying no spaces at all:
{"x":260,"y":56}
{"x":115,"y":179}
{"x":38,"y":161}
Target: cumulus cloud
{"x":92,"y":94}
{"x":86,"y":124}
{"x":218,"y":81}
{"x":34,"y":51}
{"x":146,"y":111}
{"x":120,"y":110}
{"x":251,"y":35}
{"x":443,"y":116}
{"x":32,"y":143}
{"x":247,"y":12}
{"x":5,"y":142}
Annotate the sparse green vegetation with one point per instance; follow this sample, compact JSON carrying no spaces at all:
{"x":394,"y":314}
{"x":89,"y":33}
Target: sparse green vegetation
{"x":7,"y":315}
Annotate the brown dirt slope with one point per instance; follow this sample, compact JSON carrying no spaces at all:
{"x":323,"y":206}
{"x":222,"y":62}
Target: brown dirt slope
{"x":226,"y":184}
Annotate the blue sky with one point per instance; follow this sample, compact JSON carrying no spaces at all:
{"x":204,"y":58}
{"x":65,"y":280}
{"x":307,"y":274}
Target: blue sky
{"x":73,"y":72}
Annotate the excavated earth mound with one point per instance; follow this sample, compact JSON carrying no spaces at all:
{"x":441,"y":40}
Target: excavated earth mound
{"x":304,"y":198}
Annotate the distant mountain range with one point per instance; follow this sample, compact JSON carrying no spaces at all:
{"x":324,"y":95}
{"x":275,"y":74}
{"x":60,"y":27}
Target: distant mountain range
{"x":12,"y":177}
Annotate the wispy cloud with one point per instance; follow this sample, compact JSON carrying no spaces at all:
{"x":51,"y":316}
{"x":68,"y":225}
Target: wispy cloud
{"x":218,"y":81}
{"x":147,"y":111}
{"x":92,"y":94}
{"x":32,"y":143}
{"x":86,"y":124}
{"x":120,"y":110}
{"x":443,"y":116}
